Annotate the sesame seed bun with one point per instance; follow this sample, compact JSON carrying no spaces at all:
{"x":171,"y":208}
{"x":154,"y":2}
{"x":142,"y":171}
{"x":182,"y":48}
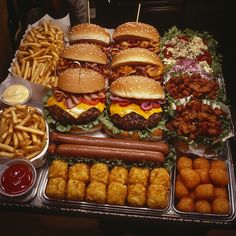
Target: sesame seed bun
{"x":135,"y":30}
{"x":137,"y":56}
{"x":85,"y":52}
{"x":90,"y":32}
{"x":138,"y":87}
{"x":80,"y":80}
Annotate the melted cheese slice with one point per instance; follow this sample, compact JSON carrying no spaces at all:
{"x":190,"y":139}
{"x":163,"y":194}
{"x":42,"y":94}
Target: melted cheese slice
{"x":115,"y":108}
{"x":77,"y":110}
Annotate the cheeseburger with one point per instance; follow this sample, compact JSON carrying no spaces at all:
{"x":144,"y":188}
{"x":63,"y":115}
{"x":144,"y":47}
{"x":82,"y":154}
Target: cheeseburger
{"x":134,"y":109}
{"x":135,"y":34}
{"x":90,"y":33}
{"x":136,"y":61}
{"x":84,"y":55}
{"x":78,"y":101}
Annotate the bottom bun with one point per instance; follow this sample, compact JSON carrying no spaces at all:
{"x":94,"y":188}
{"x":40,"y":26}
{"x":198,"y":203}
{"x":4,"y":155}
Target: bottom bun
{"x":154,"y":136}
{"x":78,"y":130}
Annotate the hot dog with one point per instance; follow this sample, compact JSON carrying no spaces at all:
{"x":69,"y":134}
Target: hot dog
{"x":52,"y":148}
{"x":94,"y":152}
{"x":159,"y":146}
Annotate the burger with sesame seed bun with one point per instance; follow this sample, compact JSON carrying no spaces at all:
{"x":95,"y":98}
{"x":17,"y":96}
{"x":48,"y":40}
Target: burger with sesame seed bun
{"x":135,"y":109}
{"x":77,"y":103}
{"x":135,"y":34}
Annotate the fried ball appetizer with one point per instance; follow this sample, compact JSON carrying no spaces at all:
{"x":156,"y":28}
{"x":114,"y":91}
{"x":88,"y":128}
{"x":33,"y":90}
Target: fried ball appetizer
{"x":75,"y":190}
{"x":138,"y":175}
{"x":204,"y":192}
{"x":58,"y":168}
{"x":157,"y":196}
{"x":118,"y":174}
{"x":201,"y":163}
{"x":79,"y":171}
{"x":99,"y":172}
{"x":192,"y":194}
{"x":116,"y":193}
{"x":56,"y":188}
{"x":96,"y":192}
{"x":160,"y":176}
{"x":204,"y":175}
{"x":203,"y":206}
{"x":136,"y":195}
{"x":218,"y":164}
{"x":220,"y":206}
{"x":221,"y":192}
{"x":218,"y":177}
{"x":184,"y":162}
{"x":186,"y":204}
{"x":181,"y":190}
{"x":190,"y":177}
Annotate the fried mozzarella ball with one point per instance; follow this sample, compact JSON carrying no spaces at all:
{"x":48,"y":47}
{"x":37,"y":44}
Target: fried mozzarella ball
{"x":160,"y":176}
{"x":203,"y":206}
{"x":190,"y":177}
{"x":138,"y":175}
{"x":136,"y":195}
{"x":219,"y":177}
{"x":181,"y":190}
{"x":96,"y":192}
{"x":201,"y":163}
{"x":79,"y":171}
{"x":186,"y":204}
{"x":56,"y":188}
{"x":204,"y":192}
{"x":221,"y":192}
{"x":220,"y":206}
{"x":218,"y":164}
{"x":204,"y":175}
{"x":99,"y":172}
{"x":58,"y":168}
{"x":116,"y":193}
{"x":75,"y":190}
{"x":157,"y":196}
{"x":119,"y":174}
{"x":184,"y":162}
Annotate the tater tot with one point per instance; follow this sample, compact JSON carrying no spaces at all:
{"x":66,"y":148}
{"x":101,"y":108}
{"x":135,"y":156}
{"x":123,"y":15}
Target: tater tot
{"x":180,"y":189}
{"x":75,"y":190}
{"x":118,"y":174}
{"x":136,"y":195}
{"x":99,"y":172}
{"x":221,"y":192}
{"x":201,"y":163}
{"x":116,"y":193}
{"x":96,"y":192}
{"x":58,"y":168}
{"x":160,"y":176}
{"x":190,"y":177}
{"x":157,"y":196}
{"x":204,"y":192}
{"x":138,"y":175}
{"x":218,"y":177}
{"x":204,"y":175}
{"x":218,"y":164}
{"x":56,"y":188}
{"x":186,"y":204}
{"x":184,"y":162}
{"x":220,"y":206}
{"x":79,"y":171}
{"x":203,"y":206}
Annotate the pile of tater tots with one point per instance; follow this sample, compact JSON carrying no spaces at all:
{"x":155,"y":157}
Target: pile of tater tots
{"x":97,"y":183}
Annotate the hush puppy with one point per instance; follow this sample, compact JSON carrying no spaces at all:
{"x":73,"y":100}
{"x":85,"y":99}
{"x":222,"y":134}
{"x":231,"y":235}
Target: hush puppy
{"x":203,"y":206}
{"x":116,"y":193}
{"x":99,"y":172}
{"x":138,"y":175}
{"x":184,"y":162}
{"x":118,"y":174}
{"x":204,"y":192}
{"x":58,"y":168}
{"x":136,"y":195}
{"x":79,"y":171}
{"x":221,"y":192}
{"x":218,"y":164}
{"x":186,"y":204}
{"x":201,"y":163}
{"x":160,"y":176}
{"x":220,"y":206}
{"x":190,"y":177}
{"x":181,"y":190}
{"x":219,"y":177}
{"x":75,"y":190}
{"x":204,"y":175}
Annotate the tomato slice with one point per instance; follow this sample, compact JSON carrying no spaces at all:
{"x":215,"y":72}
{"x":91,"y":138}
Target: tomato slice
{"x":156,"y":105}
{"x":124,"y":103}
{"x":90,"y":102}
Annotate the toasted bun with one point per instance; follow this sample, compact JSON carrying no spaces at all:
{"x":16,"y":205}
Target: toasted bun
{"x":90,"y":32}
{"x":85,"y":52}
{"x":135,"y":30}
{"x":78,"y":130}
{"x":155,"y":136}
{"x":137,"y":56}
{"x":139,"y":87}
{"x":81,"y":80}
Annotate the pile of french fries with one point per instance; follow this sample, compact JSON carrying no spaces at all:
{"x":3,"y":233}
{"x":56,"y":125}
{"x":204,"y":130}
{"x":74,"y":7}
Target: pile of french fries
{"x":23,"y":132}
{"x":38,"y":54}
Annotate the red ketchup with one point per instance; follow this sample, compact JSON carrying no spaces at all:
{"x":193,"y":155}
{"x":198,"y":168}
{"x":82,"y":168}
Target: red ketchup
{"x":16,"y":178}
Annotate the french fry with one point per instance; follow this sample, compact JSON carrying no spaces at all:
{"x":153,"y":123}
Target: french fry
{"x":14,"y":117}
{"x":15,"y":140}
{"x":6,"y":147}
{"x":6,"y":154}
{"x":30,"y":130}
{"x":33,"y":154}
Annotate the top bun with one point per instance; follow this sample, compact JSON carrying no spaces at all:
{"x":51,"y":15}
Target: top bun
{"x":81,"y":80}
{"x":135,"y":56}
{"x":89,"y":32}
{"x":139,"y":87}
{"x":135,"y":30}
{"x":85,"y":52}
